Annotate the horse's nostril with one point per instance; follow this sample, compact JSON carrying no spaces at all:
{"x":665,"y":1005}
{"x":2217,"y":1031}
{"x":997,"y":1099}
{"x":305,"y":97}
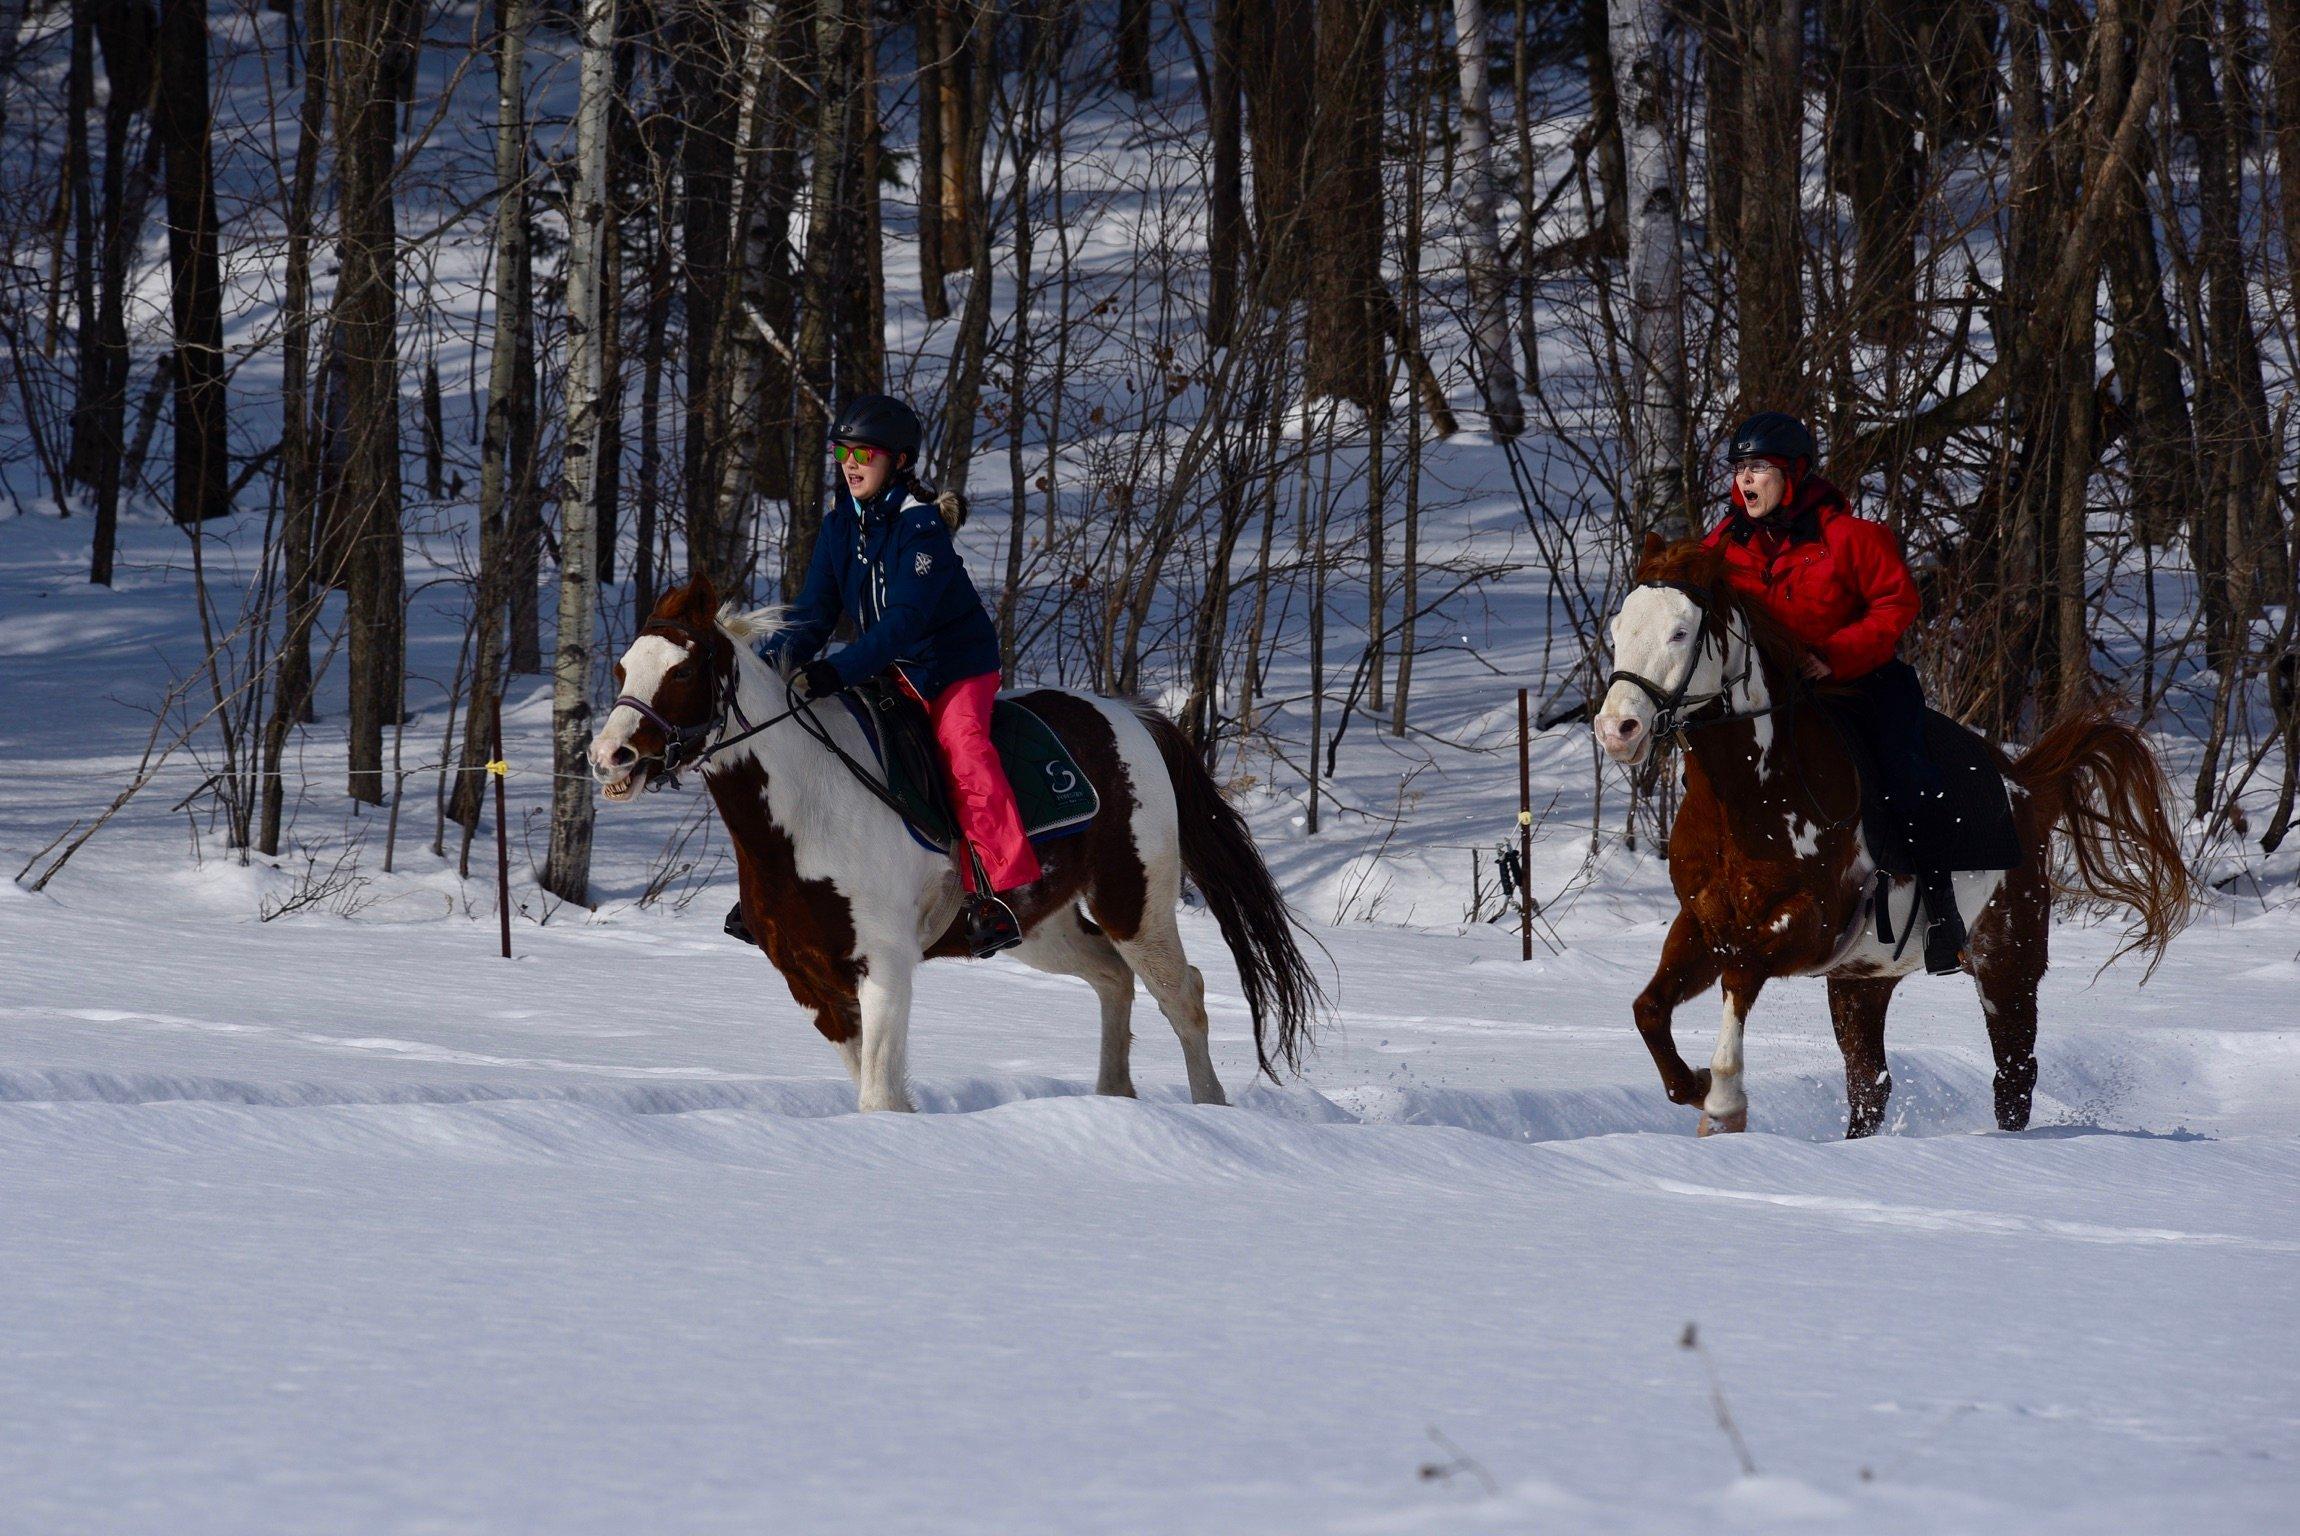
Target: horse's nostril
{"x":623,"y":756}
{"x":1625,"y":728}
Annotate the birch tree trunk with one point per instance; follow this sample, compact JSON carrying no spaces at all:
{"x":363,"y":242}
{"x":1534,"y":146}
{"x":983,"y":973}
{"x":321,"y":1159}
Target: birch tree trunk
{"x":1656,"y":271}
{"x":1481,"y":238}
{"x":567,"y":869}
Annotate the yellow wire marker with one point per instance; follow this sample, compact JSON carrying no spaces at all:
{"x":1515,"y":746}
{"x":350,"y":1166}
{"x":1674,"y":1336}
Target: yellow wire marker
{"x":1525,"y":818}
{"x":499,"y":767}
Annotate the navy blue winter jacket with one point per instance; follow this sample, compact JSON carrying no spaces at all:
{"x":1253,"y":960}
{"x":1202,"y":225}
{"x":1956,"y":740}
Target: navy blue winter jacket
{"x":893,"y":567}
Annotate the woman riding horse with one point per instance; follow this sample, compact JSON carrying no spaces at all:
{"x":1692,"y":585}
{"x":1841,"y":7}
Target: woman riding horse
{"x":1839,"y":585}
{"x":884,"y":555}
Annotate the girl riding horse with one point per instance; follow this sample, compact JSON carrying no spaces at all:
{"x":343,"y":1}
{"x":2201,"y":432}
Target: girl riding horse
{"x":1839,"y":585}
{"x":884,"y":557}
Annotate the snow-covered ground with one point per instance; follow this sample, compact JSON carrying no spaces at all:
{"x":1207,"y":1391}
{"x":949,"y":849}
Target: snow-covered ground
{"x":343,"y":1223}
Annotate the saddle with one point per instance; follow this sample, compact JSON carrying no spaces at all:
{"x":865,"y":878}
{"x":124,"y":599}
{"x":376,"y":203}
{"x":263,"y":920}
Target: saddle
{"x":1979,"y":811}
{"x":1050,"y":789}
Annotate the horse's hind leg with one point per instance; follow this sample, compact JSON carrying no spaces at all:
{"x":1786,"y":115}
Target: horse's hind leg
{"x":2008,"y":955}
{"x":2009,"y":973}
{"x":1155,"y":954}
{"x":1064,"y":945}
{"x":1857,"y":1007}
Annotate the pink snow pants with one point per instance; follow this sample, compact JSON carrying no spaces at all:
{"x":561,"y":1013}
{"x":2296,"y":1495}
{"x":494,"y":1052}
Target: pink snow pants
{"x":982,"y":797}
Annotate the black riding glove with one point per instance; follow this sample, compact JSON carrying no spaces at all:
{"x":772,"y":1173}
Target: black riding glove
{"x":819,"y":680}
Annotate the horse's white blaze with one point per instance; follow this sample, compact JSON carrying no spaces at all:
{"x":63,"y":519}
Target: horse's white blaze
{"x":645,"y":665}
{"x":1653,"y":636}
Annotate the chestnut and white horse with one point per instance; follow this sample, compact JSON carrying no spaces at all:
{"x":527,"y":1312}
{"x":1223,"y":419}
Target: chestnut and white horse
{"x":1772,"y":873}
{"x":846,"y":904}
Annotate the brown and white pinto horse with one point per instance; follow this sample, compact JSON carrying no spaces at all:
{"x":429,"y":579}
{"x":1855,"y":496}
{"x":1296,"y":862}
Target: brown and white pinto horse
{"x":1773,"y":875}
{"x":846,"y":904}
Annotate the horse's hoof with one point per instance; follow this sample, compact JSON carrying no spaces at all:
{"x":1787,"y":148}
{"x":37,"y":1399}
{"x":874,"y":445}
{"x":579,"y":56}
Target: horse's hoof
{"x":1725,"y":1124}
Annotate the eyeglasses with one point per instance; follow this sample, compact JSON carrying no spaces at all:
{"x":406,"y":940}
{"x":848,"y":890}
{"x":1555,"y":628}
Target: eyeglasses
{"x":854,"y":453}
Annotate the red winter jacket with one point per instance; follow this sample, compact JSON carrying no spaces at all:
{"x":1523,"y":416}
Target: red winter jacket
{"x":1835,"y":581}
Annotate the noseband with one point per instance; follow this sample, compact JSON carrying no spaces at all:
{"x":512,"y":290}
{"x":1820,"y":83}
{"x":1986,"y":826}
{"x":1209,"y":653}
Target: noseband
{"x":1671,"y":705}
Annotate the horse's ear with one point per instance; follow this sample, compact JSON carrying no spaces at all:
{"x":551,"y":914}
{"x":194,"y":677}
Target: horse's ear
{"x":694,"y":602}
{"x":1654,"y":545}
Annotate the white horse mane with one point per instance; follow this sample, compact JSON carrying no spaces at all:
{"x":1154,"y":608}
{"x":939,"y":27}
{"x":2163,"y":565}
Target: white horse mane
{"x":757,"y":624}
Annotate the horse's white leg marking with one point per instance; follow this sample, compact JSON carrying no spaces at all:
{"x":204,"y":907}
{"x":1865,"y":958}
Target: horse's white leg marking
{"x":1156,"y":956}
{"x":1727,"y":1100}
{"x":885,"y":1054}
{"x":850,"y":1052}
{"x":1063,"y":946}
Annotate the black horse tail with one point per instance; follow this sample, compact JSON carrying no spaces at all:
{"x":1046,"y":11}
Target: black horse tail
{"x":1222,"y":861}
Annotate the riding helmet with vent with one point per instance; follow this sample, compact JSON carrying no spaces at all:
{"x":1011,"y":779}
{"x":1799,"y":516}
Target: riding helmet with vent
{"x":1772,"y":435}
{"x":881,"y":421}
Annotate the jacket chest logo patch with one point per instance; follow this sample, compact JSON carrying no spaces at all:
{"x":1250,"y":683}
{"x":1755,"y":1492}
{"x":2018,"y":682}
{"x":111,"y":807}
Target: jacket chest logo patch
{"x":921,"y":563}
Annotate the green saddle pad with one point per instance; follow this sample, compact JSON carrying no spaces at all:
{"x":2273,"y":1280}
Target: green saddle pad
{"x":1050,"y":789}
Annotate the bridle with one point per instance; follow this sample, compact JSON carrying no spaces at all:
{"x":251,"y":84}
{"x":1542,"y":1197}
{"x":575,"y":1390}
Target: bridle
{"x":683,"y":745}
{"x":1672,"y":705}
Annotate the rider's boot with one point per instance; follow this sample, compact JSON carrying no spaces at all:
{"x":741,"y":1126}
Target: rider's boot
{"x":991,"y":926}
{"x":1945,"y":927}
{"x":736,"y":928}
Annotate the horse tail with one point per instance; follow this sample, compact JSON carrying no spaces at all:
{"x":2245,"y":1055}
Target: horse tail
{"x":2093,"y":776}
{"x":1222,"y":861}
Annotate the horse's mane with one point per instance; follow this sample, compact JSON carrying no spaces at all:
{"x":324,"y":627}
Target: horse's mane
{"x":756,"y":624}
{"x":1697,"y":565}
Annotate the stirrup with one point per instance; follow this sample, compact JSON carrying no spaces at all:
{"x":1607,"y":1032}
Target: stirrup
{"x":991,"y":926}
{"x":1945,"y":935}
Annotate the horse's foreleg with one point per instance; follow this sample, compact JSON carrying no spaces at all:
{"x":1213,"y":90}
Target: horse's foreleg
{"x":1725,"y":1107}
{"x":1857,"y":1008}
{"x":1686,"y":967}
{"x":885,"y":997}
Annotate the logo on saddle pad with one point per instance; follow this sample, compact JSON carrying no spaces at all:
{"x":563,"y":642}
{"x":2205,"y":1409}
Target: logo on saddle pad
{"x":921,"y":563}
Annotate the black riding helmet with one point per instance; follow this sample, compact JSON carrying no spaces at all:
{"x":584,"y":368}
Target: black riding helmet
{"x":880,"y":421}
{"x":1773,"y":435}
